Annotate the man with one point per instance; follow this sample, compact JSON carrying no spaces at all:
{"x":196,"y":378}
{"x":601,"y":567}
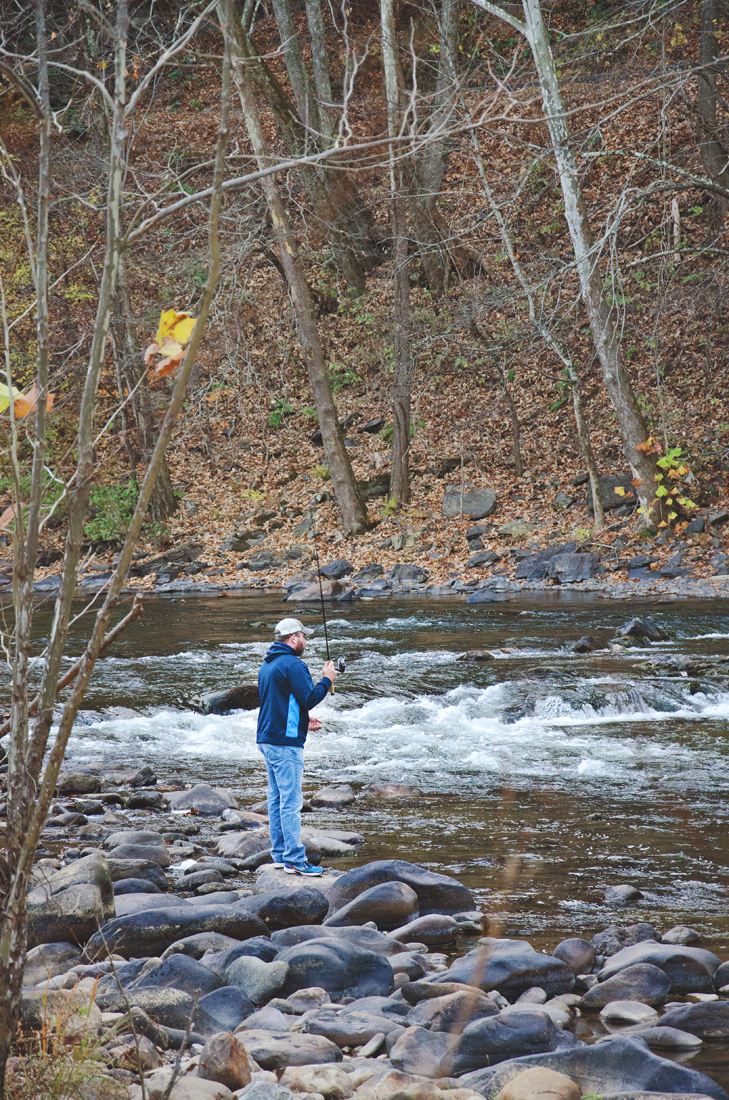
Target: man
{"x":287,"y":694}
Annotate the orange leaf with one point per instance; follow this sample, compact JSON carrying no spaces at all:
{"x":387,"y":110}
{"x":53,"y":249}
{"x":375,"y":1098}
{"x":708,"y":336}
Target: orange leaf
{"x":7,"y":516}
{"x":636,"y":481}
{"x":150,"y":353}
{"x":27,"y":402}
{"x":167,"y":366}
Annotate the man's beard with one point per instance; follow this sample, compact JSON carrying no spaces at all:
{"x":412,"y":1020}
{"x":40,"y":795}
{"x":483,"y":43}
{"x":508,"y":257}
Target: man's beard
{"x":300,"y":646}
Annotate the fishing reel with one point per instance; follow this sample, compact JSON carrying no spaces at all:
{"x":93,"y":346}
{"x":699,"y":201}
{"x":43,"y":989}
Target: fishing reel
{"x":340,"y":664}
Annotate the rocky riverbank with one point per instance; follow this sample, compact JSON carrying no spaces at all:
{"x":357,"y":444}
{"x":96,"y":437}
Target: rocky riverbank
{"x":162,"y":937}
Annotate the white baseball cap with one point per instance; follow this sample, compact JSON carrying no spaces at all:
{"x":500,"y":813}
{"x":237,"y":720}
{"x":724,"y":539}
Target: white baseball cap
{"x":290,"y":626}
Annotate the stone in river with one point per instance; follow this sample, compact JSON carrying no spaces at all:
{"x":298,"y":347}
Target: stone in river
{"x":681,"y":934}
{"x":453,"y":1012}
{"x":151,"y":853}
{"x":436,"y":893}
{"x":272,"y":1051}
{"x":135,"y":886}
{"x":306,"y":1000}
{"x":708,"y":1020}
{"x":78,"y":783}
{"x":289,"y":909}
{"x":179,"y":972}
{"x":200,"y":878}
{"x":496,"y":1038}
{"x":243,"y":697}
{"x":329,"y":1081}
{"x":332,"y":797}
{"x":485,"y":595}
{"x":68,"y":916}
{"x":435,"y":930}
{"x":347,"y":1029}
{"x":389,"y":905}
{"x":476,"y":655}
{"x":410,"y":963}
{"x":540,"y":1084}
{"x":224,"y":1059}
{"x":622,"y":1065}
{"x":48,"y":960}
{"x":342,"y":968}
{"x":586,"y":644}
{"x":628,"y":1012}
{"x":642,"y":982}
{"x":260,"y":981}
{"x":243,"y":844}
{"x":644,"y":627}
{"x":579,"y":954}
{"x":669,"y":1038}
{"x":224,"y":1009}
{"x":622,"y":895}
{"x":364,"y":939}
{"x":690,"y":969}
{"x":421,"y":1052}
{"x":133,"y":836}
{"x":169,"y":1007}
{"x":149,"y":933}
{"x":267,"y":1018}
{"x":511,"y":967}
{"x":204,"y":799}
{"x":257,"y":947}
{"x":185,"y":1087}
{"x":196,"y":946}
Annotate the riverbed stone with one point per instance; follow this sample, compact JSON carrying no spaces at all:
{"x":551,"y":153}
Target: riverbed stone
{"x":78,"y":783}
{"x":628,"y":1012}
{"x":709,"y":1019}
{"x":243,"y":844}
{"x":260,"y":981}
{"x":268,"y":1018}
{"x":642,"y":982}
{"x":197,"y":946}
{"x":48,"y":960}
{"x":436,"y":893}
{"x":624,"y":894}
{"x":334,"y":796}
{"x":511,"y":967}
{"x":622,"y":1065}
{"x":242,"y":697}
{"x":614,"y":938}
{"x":506,"y":1035}
{"x":204,"y":799}
{"x":661,"y":1037}
{"x":681,"y":934}
{"x":150,"y":853}
{"x":347,"y":1029}
{"x":126,"y":904}
{"x":330,"y":1081}
{"x":453,"y":1012}
{"x":388,"y":904}
{"x":186,"y":1087}
{"x":224,"y":1059}
{"x":571,"y":568}
{"x":540,"y":1084}
{"x":149,"y":933}
{"x":578,"y":954}
{"x":135,"y":886}
{"x":168,"y":1007}
{"x":289,"y":909}
{"x":341,"y":968}
{"x":434,"y":930}
{"x":363,"y":939}
{"x":690,"y":969}
{"x":421,"y":1051}
{"x":476,"y":504}
{"x":133,"y":836}
{"x":277,"y":1051}
{"x":642,"y":627}
{"x":224,"y":1009}
{"x":70,"y":915}
{"x":257,"y":947}
{"x":179,"y":972}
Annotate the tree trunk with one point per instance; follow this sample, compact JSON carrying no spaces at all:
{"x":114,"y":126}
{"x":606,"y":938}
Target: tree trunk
{"x":713,"y":148}
{"x":354,"y":512}
{"x":514,"y":417}
{"x":400,"y":474}
{"x":320,"y":65}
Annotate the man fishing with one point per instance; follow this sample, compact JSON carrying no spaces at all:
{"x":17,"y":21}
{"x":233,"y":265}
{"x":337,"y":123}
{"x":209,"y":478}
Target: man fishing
{"x":287,"y":694}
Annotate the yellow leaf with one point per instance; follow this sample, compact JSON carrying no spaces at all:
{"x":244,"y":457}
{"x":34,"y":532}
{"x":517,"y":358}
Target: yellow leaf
{"x":672,"y":515}
{"x":5,"y":396}
{"x":663,"y":523}
{"x":620,"y":490}
{"x":175,"y":326}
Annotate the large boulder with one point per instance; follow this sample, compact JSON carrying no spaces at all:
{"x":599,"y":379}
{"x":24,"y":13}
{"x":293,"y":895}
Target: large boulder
{"x":203,"y":799}
{"x":69,"y":914}
{"x":388,"y":904}
{"x":622,"y":1065}
{"x":421,"y":1052}
{"x":257,"y":947}
{"x":179,"y":972}
{"x":151,"y":853}
{"x":276,"y":1051}
{"x":260,"y":981}
{"x":365,"y":939}
{"x":435,"y":930}
{"x":540,"y":1084}
{"x":640,"y":982}
{"x":708,"y":1020}
{"x":452,"y":1013}
{"x":579,"y":954}
{"x":347,"y":1029}
{"x":570,"y":568}
{"x":476,"y":504}
{"x":243,"y":697}
{"x":511,"y":967}
{"x":141,"y":902}
{"x":197,"y":946}
{"x":49,"y":959}
{"x":436,"y":893}
{"x":149,"y":933}
{"x":507,"y":1035}
{"x":305,"y":905}
{"x":123,"y":837}
{"x":169,"y":1007}
{"x":535,"y":566}
{"x":121,"y":869}
{"x":691,"y":969}
{"x":224,"y":1009}
{"x":610,"y":499}
{"x":330,"y":1081}
{"x":224,"y":1059}
{"x":341,"y":968}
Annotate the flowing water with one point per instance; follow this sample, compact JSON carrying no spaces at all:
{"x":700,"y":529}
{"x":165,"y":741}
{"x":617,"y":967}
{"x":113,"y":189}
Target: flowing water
{"x":543,"y":776}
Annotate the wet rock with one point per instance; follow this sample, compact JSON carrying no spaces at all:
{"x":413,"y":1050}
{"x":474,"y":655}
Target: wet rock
{"x":332,"y":797}
{"x":641,"y":982}
{"x":610,"y":499}
{"x":341,"y":968}
{"x":511,"y":967}
{"x":690,"y":969}
{"x":120,"y":869}
{"x":224,"y":1059}
{"x":643,"y":627}
{"x":614,"y":938}
{"x":337,"y":569}
{"x":389,"y":791}
{"x":540,"y":1084}
{"x":681,"y":935}
{"x":571,"y":568}
{"x":622,"y":895}
{"x":622,"y":1065}
{"x":579,"y":954}
{"x":708,"y":1020}
{"x":628,"y":1012}
{"x":78,"y":783}
{"x":436,"y":893}
{"x":507,"y":1035}
{"x":305,"y":905}
{"x":272,"y":1051}
{"x":388,"y":904}
{"x":586,"y":644}
{"x":330,"y":1081}
{"x":224,"y":1010}
{"x":179,"y":972}
{"x":485,"y":595}
{"x":260,"y":981}
{"x":149,"y":933}
{"x":244,"y":697}
{"x":204,"y":799}
{"x":435,"y":930}
{"x":476,"y":504}
{"x":669,"y":1038}
{"x":197,"y":946}
{"x":257,"y":947}
{"x":200,"y":878}
{"x":453,"y":1012}
{"x":475,"y":655}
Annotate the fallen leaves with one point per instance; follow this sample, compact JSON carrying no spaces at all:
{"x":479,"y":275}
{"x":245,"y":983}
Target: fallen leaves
{"x":174,"y":332}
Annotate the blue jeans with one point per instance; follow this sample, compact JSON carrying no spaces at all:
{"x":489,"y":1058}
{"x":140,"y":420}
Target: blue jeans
{"x":285,"y":765}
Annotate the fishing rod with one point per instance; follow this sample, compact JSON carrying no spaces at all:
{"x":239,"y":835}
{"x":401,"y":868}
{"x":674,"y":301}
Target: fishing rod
{"x":340,"y":662}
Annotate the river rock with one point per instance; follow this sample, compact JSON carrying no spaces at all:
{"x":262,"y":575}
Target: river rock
{"x":388,"y":904}
{"x":337,"y":569}
{"x":200,"y":878}
{"x":260,"y":981}
{"x":507,"y":1035}
{"x":622,"y":895}
{"x":268,"y":1018}
{"x":690,"y":969}
{"x":614,"y":938}
{"x":435,"y":930}
{"x":476,"y":504}
{"x":540,"y":1084}
{"x":69,"y":916}
{"x":330,"y":1081}
{"x":137,"y":868}
{"x":197,"y":946}
{"x":140,"y":903}
{"x":642,"y":627}
{"x":642,"y":982}
{"x":224,"y":1059}
{"x":571,"y":568}
{"x":169,"y":1007}
{"x":224,"y":1009}
{"x":347,"y":1029}
{"x":669,"y":1038}
{"x":628,"y":1012}
{"x":186,"y":1087}
{"x":708,"y":1020}
{"x":305,"y":905}
{"x":123,"y":837}
{"x":681,"y":934}
{"x":150,"y":853}
{"x":134,"y":886}
{"x":242,"y":697}
{"x":244,"y":844}
{"x":78,"y":783}
{"x":179,"y":972}
{"x":622,"y":1065}
{"x":204,"y":799}
{"x":339,"y":967}
{"x":421,"y":1052}
{"x":364,"y":939}
{"x":272,"y":1051}
{"x":332,"y":797}
{"x":578,"y":954}
{"x":149,"y":933}
{"x":257,"y":947}
{"x":453,"y":1012}
{"x":436,"y":893}
{"x":485,"y":595}
{"x":511,"y":967}
{"x":49,"y":960}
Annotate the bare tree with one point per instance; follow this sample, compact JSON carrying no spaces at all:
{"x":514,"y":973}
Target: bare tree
{"x":712,"y":142}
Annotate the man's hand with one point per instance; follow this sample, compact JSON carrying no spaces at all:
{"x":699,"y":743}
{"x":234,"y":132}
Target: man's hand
{"x":314,"y":724}
{"x":330,"y":671}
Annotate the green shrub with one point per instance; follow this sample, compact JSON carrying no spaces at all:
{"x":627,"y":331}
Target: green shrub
{"x":112,"y":509}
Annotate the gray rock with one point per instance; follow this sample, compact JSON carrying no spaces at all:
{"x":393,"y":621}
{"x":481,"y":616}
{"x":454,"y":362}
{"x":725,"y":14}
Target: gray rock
{"x":222,"y":1010}
{"x":475,"y":655}
{"x":483,"y":557}
{"x":264,"y":1090}
{"x":149,"y":933}
{"x":511,"y":967}
{"x":179,"y":972}
{"x":681,"y":934}
{"x":410,"y":963}
{"x":708,"y":1020}
{"x":150,"y":853}
{"x":571,"y":568}
{"x":68,"y":915}
{"x":534,"y":566}
{"x":476,"y":504}
{"x":196,"y":946}
{"x":421,"y":1052}
{"x":436,"y":893}
{"x":272,"y":1051}
{"x":168,"y":1007}
{"x":622,"y":895}
{"x":640,"y":982}
{"x":690,"y":969}
{"x":126,"y":904}
{"x":340,"y":794}
{"x":643,"y":627}
{"x":257,"y":947}
{"x":517,"y":529}
{"x":364,"y":939}
{"x":669,"y":1038}
{"x":243,"y":697}
{"x":453,"y":1012}
{"x":48,"y":960}
{"x":621,"y":1066}
{"x":288,"y":909}
{"x":260,"y":981}
{"x":579,"y":954}
{"x":120,"y":869}
{"x":263,"y":561}
{"x":124,"y":837}
{"x":485,"y":595}
{"x":200,"y":878}
{"x":204,"y":799}
{"x":78,"y":783}
{"x":223,"y":1059}
{"x":586,"y":644}
{"x":244,"y":844}
{"x":507,"y":1035}
{"x":435,"y":930}
{"x":368,"y":573}
{"x":388,"y":904}
{"x":347,"y":1029}
{"x":628,"y":1012}
{"x":337,"y":569}
{"x":404,"y":572}
{"x":341,"y":968}
{"x":268,"y":1019}
{"x":610,"y":499}
{"x":614,"y":938}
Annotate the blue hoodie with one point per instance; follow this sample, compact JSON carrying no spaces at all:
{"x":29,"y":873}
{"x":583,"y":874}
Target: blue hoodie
{"x":287,"y":695}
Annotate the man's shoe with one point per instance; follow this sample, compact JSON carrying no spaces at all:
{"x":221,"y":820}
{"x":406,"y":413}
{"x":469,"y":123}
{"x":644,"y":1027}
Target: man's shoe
{"x":278,"y":866}
{"x":308,"y":869}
